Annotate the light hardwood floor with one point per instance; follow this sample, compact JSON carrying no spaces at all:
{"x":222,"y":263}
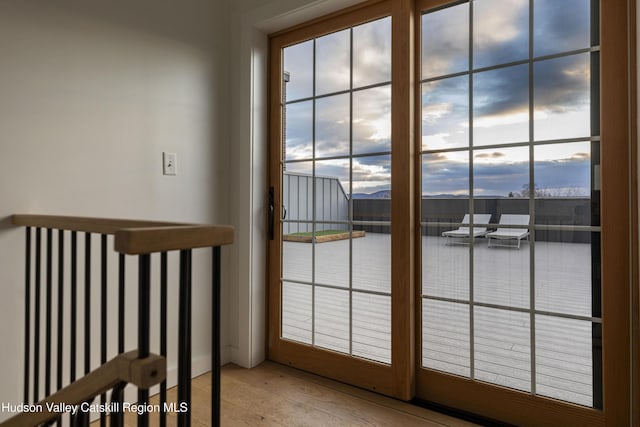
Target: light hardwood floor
{"x":276,"y":395}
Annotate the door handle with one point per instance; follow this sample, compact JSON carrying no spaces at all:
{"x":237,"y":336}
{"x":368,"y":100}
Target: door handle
{"x":272,"y":213}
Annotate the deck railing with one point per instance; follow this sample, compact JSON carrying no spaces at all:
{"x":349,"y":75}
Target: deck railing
{"x":140,"y":368}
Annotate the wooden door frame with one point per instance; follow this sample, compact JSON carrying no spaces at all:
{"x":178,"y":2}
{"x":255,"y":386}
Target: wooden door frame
{"x":619,"y":201}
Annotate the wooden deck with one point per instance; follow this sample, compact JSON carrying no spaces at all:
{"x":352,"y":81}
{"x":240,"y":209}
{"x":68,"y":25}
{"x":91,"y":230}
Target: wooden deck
{"x":501,"y":350}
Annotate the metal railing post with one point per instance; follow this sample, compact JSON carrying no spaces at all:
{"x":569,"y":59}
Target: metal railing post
{"x":144,"y":324}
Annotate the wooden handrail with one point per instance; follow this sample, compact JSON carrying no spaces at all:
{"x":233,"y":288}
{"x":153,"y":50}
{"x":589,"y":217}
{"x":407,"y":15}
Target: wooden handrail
{"x":136,"y":236}
{"x":143,"y":373}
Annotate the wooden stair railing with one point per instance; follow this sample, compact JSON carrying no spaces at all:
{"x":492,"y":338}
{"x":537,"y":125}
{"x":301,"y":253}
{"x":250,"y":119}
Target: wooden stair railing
{"x":130,"y":237}
{"x":124,"y":368}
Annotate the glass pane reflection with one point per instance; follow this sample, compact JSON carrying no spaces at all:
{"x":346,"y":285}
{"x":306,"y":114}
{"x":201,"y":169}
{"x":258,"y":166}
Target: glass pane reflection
{"x":372,"y":53}
{"x":502,"y":347}
{"x":563,"y":171}
{"x":332,"y":126}
{"x":333,"y":62}
{"x":445,"y":41}
{"x":446,"y":337}
{"x":297,"y":258}
{"x":500,"y":31}
{"x":331,"y":319}
{"x":371,"y":269}
{"x":332,"y":183}
{"x":297,"y":196}
{"x":501,"y":106}
{"x":445,"y":265}
{"x":332,"y":256}
{"x":561,"y":26}
{"x":563,"y":276}
{"x":445,"y":186}
{"x":559,"y":341}
{"x":299,"y":131}
{"x":296,"y":312}
{"x":372,"y":120}
{"x":445,"y":113}
{"x":296,"y":64}
{"x":501,"y":274}
{"x":372,"y":178}
{"x":562,"y":97}
{"x":372,"y":327}
{"x":503,"y":172}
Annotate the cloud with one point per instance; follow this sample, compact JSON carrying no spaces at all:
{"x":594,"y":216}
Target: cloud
{"x":503,"y":91}
{"x":372,"y":53}
{"x":561,"y":25}
{"x":299,"y":130}
{"x":562,"y":84}
{"x":500,"y":34}
{"x":445,"y":177}
{"x":445,"y":41}
{"x":502,"y":95}
{"x":501,"y":100}
{"x":581,"y":156}
{"x":332,"y":62}
{"x":332,"y":126}
{"x":296,"y":62}
{"x":494,"y":155}
{"x":371,"y":174}
{"x":372,"y":120}
{"x":568,"y":176}
{"x":334,"y":169}
{"x":445,"y":113}
{"x":435,"y":157}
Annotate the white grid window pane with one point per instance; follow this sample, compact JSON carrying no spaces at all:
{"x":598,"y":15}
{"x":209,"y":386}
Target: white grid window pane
{"x":372,"y":327}
{"x":296,"y":312}
{"x":445,"y":337}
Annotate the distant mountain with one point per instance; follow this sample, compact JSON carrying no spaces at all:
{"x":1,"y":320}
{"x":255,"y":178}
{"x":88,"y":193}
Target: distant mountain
{"x":444,"y":196}
{"x":457,"y":196}
{"x":384,"y":194}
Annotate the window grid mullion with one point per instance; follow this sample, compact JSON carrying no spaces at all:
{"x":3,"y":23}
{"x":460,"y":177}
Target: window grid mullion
{"x":532,"y":209}
{"x":350,"y":215}
{"x":314,"y":201}
{"x":472,"y":357}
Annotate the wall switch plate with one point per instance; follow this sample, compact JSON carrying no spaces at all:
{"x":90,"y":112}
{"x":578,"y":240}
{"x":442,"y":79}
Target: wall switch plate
{"x":169,"y":163}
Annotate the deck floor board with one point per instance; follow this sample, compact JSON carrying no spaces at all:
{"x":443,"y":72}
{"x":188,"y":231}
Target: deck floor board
{"x":501,"y":338}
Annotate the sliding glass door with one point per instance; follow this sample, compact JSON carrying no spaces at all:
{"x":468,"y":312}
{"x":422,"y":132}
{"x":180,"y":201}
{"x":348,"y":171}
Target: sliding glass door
{"x":331,"y":177}
{"x":492,"y":280}
{"x":508,"y":138}
{"x":511,"y":207}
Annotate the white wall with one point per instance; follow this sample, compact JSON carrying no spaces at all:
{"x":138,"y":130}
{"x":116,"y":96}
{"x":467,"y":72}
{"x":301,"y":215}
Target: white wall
{"x":252,"y":22}
{"x":91,"y":94}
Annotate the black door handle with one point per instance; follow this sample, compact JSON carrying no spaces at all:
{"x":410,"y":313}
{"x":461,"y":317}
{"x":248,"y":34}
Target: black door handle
{"x":272,"y":213}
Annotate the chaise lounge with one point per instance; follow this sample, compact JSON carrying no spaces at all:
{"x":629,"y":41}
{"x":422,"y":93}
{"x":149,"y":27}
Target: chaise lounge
{"x":465,"y":232}
{"x":508,"y":234}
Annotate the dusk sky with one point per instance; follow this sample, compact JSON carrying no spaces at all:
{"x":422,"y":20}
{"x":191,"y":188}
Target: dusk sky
{"x":500,"y":100}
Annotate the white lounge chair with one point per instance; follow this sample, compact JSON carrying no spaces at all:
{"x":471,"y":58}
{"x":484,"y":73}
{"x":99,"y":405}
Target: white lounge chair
{"x":465,"y":232}
{"x":508,"y":234}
